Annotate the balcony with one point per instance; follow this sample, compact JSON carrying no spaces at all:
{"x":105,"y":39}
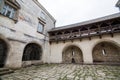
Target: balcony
{"x":88,"y":33}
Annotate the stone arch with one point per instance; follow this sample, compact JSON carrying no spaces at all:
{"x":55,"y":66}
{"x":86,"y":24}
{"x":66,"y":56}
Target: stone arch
{"x":32,"y":51}
{"x":4,"y":50}
{"x":72,"y":54}
{"x":106,"y":51}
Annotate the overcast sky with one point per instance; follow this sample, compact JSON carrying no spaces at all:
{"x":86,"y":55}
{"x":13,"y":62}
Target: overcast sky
{"x":73,"y":11}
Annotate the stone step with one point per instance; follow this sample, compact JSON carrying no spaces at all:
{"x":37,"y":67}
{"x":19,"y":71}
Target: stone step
{"x":4,"y":71}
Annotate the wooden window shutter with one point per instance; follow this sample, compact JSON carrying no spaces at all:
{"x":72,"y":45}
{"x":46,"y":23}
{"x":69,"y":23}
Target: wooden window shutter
{"x":2,"y":2}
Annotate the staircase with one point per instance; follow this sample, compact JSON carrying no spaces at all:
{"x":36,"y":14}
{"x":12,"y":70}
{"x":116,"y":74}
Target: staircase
{"x":4,"y":71}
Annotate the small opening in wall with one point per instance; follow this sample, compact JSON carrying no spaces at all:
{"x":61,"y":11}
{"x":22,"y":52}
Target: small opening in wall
{"x":103,"y":52}
{"x":73,"y":60}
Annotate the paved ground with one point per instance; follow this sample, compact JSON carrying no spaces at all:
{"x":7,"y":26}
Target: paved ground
{"x":66,"y":72}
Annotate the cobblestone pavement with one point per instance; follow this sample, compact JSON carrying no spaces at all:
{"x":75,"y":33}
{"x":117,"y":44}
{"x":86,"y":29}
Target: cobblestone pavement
{"x":66,"y":72}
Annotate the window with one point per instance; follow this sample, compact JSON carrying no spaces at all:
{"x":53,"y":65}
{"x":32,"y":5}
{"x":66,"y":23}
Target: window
{"x":43,"y":15}
{"x":32,"y":52}
{"x":40,"y":27}
{"x":9,"y":8}
{"x":8,"y":11}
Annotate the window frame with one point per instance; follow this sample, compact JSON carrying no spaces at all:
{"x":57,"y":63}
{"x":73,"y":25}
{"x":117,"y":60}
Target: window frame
{"x":42,"y":28}
{"x":10,"y":9}
{"x":43,"y":24}
{"x":12,"y":4}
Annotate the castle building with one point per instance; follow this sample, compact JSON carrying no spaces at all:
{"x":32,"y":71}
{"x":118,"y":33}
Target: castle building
{"x":28,"y":36}
{"x":23,"y":33}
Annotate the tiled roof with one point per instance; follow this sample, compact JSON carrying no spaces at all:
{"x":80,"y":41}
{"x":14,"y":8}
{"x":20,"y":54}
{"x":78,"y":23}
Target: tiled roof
{"x":87,"y":22}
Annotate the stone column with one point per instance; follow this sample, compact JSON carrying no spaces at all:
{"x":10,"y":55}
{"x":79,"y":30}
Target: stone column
{"x":14,"y":58}
{"x":87,"y":53}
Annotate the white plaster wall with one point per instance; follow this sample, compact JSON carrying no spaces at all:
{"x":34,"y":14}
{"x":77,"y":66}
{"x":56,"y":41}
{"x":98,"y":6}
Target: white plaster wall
{"x":28,"y":19}
{"x":85,"y":45}
{"x":27,"y":24}
{"x":14,"y":56}
{"x":46,"y":58}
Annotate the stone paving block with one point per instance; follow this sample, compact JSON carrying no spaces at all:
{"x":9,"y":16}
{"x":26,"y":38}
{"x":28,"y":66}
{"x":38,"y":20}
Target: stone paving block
{"x":65,"y":72}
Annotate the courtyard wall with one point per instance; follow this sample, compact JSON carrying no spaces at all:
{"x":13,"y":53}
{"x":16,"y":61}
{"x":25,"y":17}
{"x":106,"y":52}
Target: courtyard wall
{"x":85,"y":45}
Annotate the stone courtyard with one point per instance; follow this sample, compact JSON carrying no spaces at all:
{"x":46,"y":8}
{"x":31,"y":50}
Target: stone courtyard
{"x":65,"y":72}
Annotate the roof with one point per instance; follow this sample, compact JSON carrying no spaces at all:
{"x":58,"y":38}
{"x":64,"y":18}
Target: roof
{"x":87,"y":22}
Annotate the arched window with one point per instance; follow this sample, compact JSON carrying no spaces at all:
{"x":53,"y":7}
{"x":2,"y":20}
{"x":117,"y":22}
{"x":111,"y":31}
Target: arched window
{"x":106,"y":52}
{"x":3,"y":52}
{"x":72,"y":54}
{"x":32,"y":52}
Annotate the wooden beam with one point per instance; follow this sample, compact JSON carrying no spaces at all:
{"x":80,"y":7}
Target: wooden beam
{"x":111,"y":33}
{"x":99,"y":33}
{"x":63,"y":41}
{"x":100,"y":36}
{"x":89,"y":33}
{"x":50,"y":42}
{"x":72,"y":40}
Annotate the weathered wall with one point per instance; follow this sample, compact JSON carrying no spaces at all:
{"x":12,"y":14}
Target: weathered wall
{"x":23,"y":32}
{"x":106,"y":52}
{"x":85,"y":45}
{"x":72,"y":54}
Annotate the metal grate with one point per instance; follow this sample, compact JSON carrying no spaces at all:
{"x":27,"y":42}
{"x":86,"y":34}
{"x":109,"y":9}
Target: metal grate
{"x":32,"y":52}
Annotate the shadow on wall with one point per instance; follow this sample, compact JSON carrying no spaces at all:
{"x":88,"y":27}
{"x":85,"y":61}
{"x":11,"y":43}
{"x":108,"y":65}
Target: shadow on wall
{"x":0,"y":78}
